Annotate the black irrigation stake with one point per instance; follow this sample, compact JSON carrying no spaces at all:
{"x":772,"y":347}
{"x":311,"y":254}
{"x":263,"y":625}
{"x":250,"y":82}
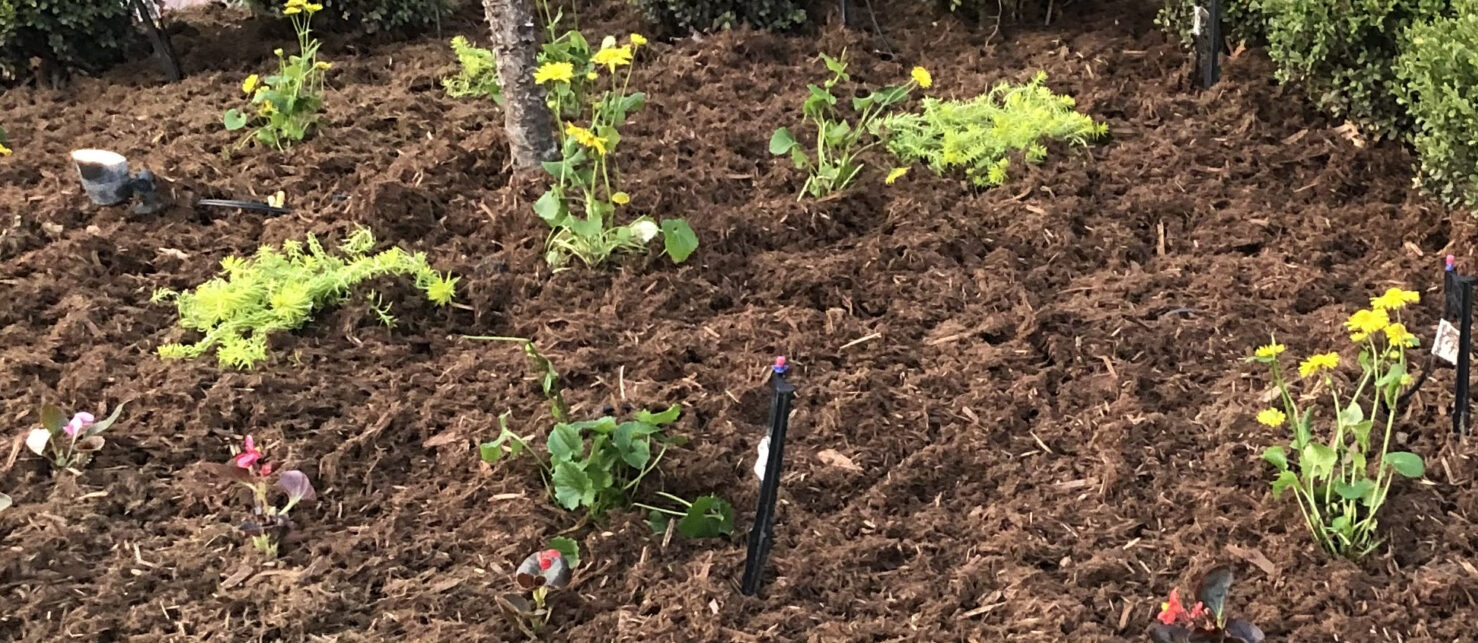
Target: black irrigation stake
{"x":762,"y":532}
{"x":1207,"y":32}
{"x":1458,"y":305}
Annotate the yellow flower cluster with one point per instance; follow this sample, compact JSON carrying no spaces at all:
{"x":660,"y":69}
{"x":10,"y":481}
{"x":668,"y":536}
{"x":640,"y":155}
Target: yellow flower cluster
{"x":1365,"y":322}
{"x":1270,"y":350}
{"x":1320,"y":362}
{"x":1395,"y":299}
{"x":250,"y":84}
{"x":922,"y":77}
{"x":613,"y":57}
{"x":586,"y":138}
{"x":896,"y":174}
{"x":557,"y":72}
{"x":294,"y":7}
{"x":1271,"y":417}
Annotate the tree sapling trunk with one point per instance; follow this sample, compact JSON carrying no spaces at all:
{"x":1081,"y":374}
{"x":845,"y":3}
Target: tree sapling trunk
{"x":525,"y":112}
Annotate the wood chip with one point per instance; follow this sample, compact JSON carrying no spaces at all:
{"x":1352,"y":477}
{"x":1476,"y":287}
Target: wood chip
{"x":1255,"y":557}
{"x":441,"y":439}
{"x":831,"y":457}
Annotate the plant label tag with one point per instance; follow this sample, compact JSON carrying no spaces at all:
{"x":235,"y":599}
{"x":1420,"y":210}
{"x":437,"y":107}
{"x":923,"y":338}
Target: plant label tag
{"x":1445,"y":342}
{"x":759,"y":464}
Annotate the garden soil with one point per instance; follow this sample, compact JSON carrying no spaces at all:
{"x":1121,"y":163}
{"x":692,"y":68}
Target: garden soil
{"x":1023,"y":412}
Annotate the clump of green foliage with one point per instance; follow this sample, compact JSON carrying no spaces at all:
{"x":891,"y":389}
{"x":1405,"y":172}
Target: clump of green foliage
{"x":1438,"y":69}
{"x":685,"y":16}
{"x":76,"y":34}
{"x":980,"y":134}
{"x":280,"y":290}
{"x":477,"y":73}
{"x":375,"y":16}
{"x":1343,"y":54}
{"x":1242,"y":20}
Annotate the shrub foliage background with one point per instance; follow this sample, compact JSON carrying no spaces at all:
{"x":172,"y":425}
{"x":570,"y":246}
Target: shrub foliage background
{"x":711,"y":15}
{"x":1438,"y":70}
{"x":372,"y":16}
{"x":64,"y":34}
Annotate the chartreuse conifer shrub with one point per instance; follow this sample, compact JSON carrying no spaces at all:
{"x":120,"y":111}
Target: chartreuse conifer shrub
{"x":980,"y":134}
{"x":1438,"y":69}
{"x":281,"y":289}
{"x":477,"y":73}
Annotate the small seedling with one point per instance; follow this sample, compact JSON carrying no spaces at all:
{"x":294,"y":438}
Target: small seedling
{"x":542,"y":571}
{"x":72,"y":442}
{"x":550,"y":382}
{"x":1206,"y":621}
{"x":269,"y":523}
{"x":706,"y":517}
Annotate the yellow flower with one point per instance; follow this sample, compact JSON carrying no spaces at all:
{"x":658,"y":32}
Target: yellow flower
{"x":1397,"y":335}
{"x":1270,"y":350}
{"x":1271,"y":417}
{"x":586,"y":137}
{"x":613,"y":57}
{"x":1395,"y":299}
{"x":267,"y":108}
{"x":620,"y":198}
{"x":1359,"y":337}
{"x":323,"y":64}
{"x":4,"y":151}
{"x":638,"y":39}
{"x":1406,"y":380}
{"x":1316,"y":363}
{"x":896,"y":174}
{"x":292,"y":11}
{"x":250,"y":84}
{"x":1368,"y":321}
{"x":277,"y":52}
{"x":313,"y":8}
{"x":592,"y":75}
{"x":558,"y":72}
{"x":922,"y":77}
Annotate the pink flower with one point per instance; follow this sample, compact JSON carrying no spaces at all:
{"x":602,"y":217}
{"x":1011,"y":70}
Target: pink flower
{"x":79,"y":421}
{"x":249,"y":454}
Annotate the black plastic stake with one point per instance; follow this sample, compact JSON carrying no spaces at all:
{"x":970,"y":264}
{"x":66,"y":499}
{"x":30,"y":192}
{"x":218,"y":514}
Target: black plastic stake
{"x":1458,"y":304}
{"x":1207,"y":31}
{"x":169,"y":63}
{"x":762,"y":532}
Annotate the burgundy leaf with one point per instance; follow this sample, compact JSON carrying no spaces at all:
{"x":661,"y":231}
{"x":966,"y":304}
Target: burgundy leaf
{"x":1243,"y":631}
{"x":529,"y":575}
{"x":296,"y":484}
{"x":1162,"y":633}
{"x":1213,"y":590}
{"x":251,"y":529}
{"x":516,"y":604}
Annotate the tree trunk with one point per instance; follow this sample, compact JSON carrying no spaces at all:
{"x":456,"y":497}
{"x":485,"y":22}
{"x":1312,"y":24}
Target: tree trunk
{"x":525,"y":113}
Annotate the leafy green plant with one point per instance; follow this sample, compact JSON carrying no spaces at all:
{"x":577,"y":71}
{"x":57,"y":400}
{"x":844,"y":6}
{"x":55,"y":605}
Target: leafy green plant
{"x":477,"y":73}
{"x":1242,"y":20}
{"x":1331,"y":477}
{"x":72,"y":442}
{"x":580,"y":207}
{"x":834,"y":163}
{"x":376,"y":16}
{"x":684,"y":16}
{"x":62,"y":36}
{"x":280,"y":290}
{"x":287,"y":103}
{"x":549,"y":378}
{"x":1343,"y":53}
{"x":705,"y":517}
{"x":1438,"y":69}
{"x":981,"y":134}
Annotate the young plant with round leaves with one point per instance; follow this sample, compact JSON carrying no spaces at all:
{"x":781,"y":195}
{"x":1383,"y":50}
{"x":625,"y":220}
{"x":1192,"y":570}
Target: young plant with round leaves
{"x":1206,"y":621}
{"x":285,"y":104}
{"x":705,"y":517}
{"x":1341,"y":476}
{"x":269,"y":523}
{"x":69,"y":444}
{"x":834,"y":163}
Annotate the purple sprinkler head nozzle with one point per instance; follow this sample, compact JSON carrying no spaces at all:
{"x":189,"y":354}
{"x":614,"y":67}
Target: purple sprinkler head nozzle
{"x":781,"y":366}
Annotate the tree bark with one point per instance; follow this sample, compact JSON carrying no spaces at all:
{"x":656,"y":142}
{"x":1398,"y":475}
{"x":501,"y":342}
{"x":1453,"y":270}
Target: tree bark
{"x":525,"y":112}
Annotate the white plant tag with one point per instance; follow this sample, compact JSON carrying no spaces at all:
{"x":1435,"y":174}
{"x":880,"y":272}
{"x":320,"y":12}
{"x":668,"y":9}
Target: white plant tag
{"x":759,"y":464}
{"x":1445,"y":342}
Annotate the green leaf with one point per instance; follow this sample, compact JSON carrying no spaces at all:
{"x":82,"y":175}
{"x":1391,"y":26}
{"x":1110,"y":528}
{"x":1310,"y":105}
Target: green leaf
{"x":234,"y":120}
{"x":708,"y":517}
{"x":52,"y":418}
{"x":1352,"y":414}
{"x":507,"y":443}
{"x":636,"y":450}
{"x":1406,"y":463}
{"x":781,"y":142}
{"x":572,"y":487}
{"x":550,"y":207}
{"x":678,"y":239}
{"x":1213,"y":590}
{"x":658,"y":419}
{"x":568,"y":548}
{"x":1317,"y":460}
{"x":658,"y":521}
{"x":565,"y":443}
{"x":799,"y":157}
{"x":1277,"y":457}
{"x":98,"y":427}
{"x":1303,"y":430}
{"x":1358,"y":490}
{"x":1285,"y":480}
{"x":1361,"y":430}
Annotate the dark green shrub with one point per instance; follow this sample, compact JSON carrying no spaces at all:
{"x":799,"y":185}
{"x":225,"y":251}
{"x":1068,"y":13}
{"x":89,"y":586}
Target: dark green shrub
{"x":64,"y":34}
{"x":370,"y":16}
{"x":1343,"y":53}
{"x":713,"y":15}
{"x":1438,"y":69}
{"x":1241,"y":21}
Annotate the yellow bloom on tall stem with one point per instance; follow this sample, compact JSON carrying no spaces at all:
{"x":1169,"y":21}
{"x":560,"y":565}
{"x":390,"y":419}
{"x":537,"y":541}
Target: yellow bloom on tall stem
{"x":1368,"y":321}
{"x":1270,"y":350}
{"x":586,"y":137}
{"x":250,"y":84}
{"x":613,"y":57}
{"x":558,"y":72}
{"x":638,"y":39}
{"x":1316,"y":363}
{"x":323,"y":65}
{"x":1395,"y":299}
{"x":922,"y":77}
{"x":1397,"y":335}
{"x":1271,"y":417}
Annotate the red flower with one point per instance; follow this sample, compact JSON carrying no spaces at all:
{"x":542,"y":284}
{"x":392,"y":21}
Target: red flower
{"x":1172,"y":612}
{"x":249,"y":454}
{"x":547,"y":558}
